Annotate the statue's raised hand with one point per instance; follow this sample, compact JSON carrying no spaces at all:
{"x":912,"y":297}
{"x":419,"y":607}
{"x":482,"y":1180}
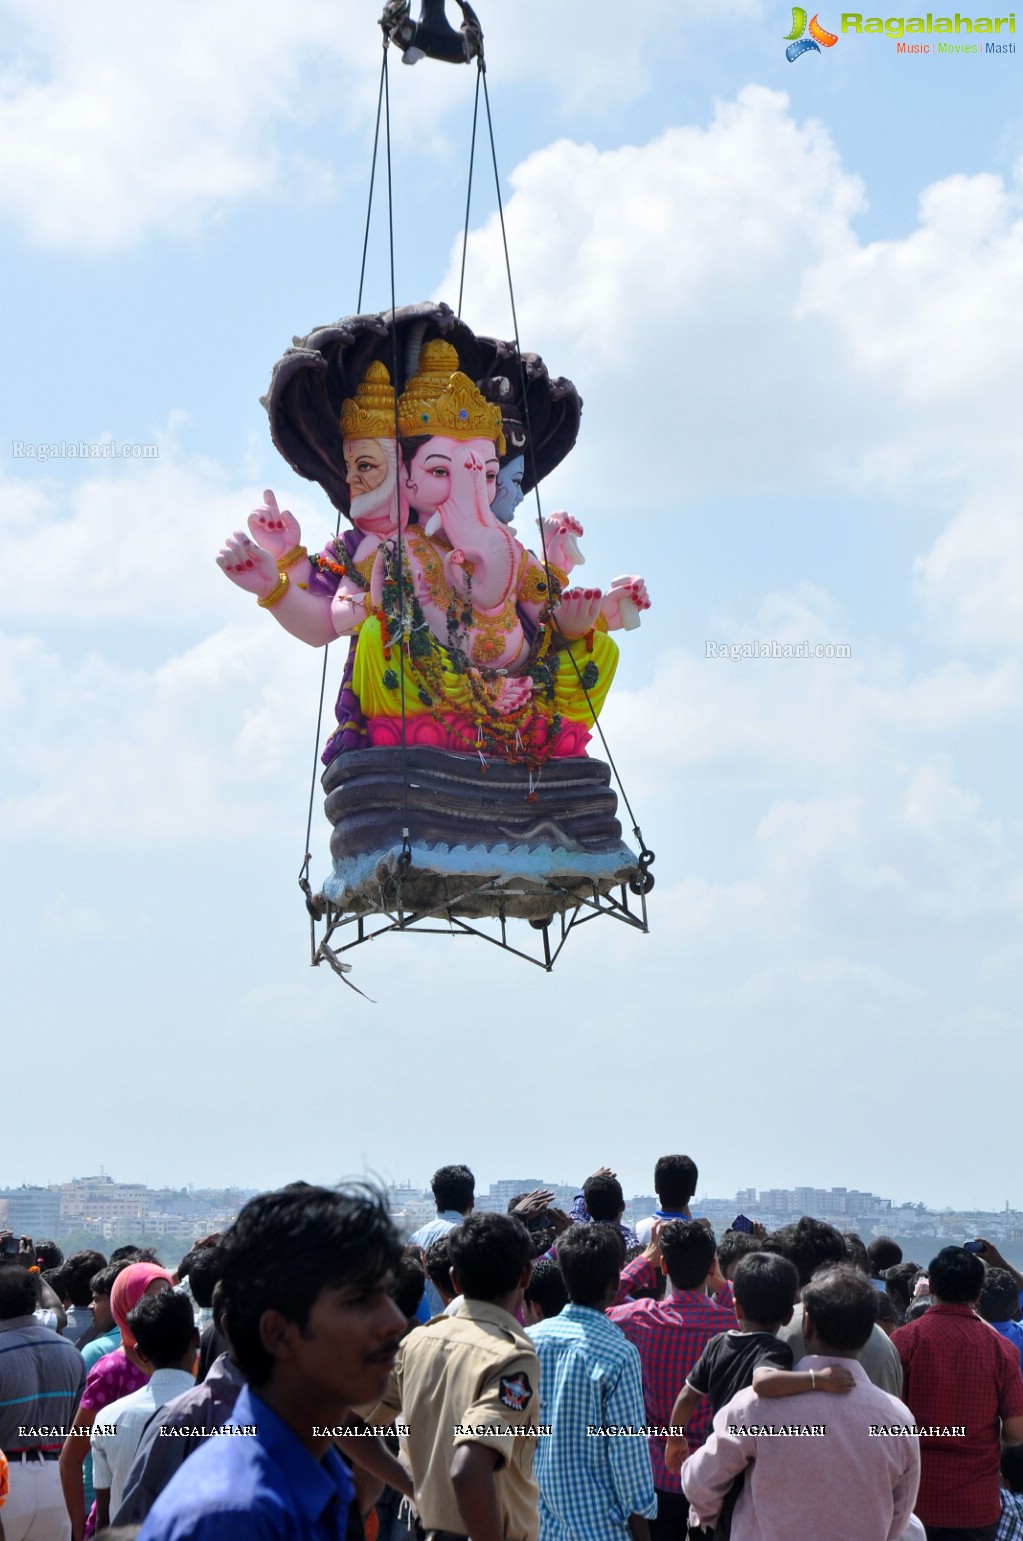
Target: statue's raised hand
{"x":623,"y":602}
{"x":248,"y":565}
{"x":577,"y":612}
{"x":561,"y":540}
{"x":276,"y":530}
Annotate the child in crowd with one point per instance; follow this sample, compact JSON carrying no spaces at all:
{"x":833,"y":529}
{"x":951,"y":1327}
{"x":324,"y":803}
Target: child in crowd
{"x":1010,"y":1526}
{"x":766,"y":1286}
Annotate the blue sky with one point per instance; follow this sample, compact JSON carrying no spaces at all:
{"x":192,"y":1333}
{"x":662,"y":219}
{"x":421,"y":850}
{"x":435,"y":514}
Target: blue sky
{"x":790,"y":298}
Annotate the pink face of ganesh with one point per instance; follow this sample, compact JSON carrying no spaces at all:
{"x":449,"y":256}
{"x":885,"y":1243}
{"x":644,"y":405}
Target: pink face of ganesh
{"x":441,"y":466}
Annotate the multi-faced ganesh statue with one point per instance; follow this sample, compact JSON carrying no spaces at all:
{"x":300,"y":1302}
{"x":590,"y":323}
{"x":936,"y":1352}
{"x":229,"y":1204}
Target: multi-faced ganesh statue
{"x":475,"y":669}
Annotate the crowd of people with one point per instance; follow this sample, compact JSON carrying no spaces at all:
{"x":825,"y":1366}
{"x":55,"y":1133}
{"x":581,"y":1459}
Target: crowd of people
{"x":529,"y":1376}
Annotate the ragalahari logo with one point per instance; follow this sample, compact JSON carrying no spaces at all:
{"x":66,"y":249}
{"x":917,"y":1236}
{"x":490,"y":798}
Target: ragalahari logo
{"x":798,"y":44}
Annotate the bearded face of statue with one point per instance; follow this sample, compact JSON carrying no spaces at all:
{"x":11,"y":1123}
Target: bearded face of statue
{"x":509,"y":489}
{"x":371,"y":470}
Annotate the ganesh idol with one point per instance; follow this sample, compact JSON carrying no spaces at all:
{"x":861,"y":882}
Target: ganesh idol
{"x":461,"y":639}
{"x":473,"y":643}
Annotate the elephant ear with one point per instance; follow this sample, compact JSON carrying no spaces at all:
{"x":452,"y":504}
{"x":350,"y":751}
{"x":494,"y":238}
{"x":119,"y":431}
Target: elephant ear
{"x":550,"y":409}
{"x":319,"y":371}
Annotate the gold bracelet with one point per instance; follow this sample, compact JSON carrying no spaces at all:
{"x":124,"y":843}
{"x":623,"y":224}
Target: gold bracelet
{"x":276,"y":594}
{"x":290,"y":558}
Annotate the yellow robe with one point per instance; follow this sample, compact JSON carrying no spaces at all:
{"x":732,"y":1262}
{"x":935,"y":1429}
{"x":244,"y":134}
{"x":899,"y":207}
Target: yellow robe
{"x":571,"y":701}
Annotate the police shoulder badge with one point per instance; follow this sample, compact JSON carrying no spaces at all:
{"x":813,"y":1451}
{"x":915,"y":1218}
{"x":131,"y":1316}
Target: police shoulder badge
{"x":515,"y":1391}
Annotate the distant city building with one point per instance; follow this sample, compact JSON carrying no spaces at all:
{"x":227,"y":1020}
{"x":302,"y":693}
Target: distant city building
{"x":87,"y":1202}
{"x":116,"y":1212}
{"x":501,"y":1193}
{"x":31,"y":1212}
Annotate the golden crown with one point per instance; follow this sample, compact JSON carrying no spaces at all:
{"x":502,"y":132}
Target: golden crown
{"x":439,"y":399}
{"x":369,"y":414}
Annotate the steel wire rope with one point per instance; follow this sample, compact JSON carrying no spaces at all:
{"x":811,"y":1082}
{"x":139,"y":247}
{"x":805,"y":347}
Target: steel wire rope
{"x":645,"y":856}
{"x":468,"y":193}
{"x":405,"y":858}
{"x":303,"y":877}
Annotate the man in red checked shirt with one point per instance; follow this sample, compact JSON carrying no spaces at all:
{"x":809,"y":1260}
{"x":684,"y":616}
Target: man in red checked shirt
{"x":959,"y":1375}
{"x":671,"y":1334}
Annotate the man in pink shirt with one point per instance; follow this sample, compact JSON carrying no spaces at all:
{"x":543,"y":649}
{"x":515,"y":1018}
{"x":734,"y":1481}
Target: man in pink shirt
{"x":834,"y":1468}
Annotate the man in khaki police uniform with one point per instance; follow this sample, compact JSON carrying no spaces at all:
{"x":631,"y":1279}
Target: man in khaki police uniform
{"x":466,"y":1388}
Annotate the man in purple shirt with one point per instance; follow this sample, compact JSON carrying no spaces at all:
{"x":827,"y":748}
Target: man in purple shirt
{"x":818,"y":1466}
{"x":671,"y":1334}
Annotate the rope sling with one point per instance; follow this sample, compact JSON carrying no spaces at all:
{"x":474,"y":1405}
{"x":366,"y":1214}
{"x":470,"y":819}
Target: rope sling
{"x":436,"y":34}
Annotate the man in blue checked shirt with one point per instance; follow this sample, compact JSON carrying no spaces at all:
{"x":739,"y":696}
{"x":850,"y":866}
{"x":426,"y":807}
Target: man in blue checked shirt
{"x":595,"y":1484}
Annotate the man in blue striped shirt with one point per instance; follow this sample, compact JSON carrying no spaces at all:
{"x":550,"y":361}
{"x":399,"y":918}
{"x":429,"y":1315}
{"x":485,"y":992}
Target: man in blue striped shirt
{"x":41,"y":1379}
{"x":593,"y":1467}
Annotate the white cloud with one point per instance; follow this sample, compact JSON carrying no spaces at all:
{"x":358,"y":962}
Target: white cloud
{"x":124,"y":122}
{"x":731,"y":334}
{"x":132,"y":538}
{"x":211,"y":739}
{"x":971,"y":580}
{"x":121,"y":121}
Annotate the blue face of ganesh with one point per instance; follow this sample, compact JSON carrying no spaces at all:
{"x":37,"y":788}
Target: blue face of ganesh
{"x":509,"y":489}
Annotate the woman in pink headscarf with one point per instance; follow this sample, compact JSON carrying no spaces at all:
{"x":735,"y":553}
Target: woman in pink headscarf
{"x":115,"y":1375}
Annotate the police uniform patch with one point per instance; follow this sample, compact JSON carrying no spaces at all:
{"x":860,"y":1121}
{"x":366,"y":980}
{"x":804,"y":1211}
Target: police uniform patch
{"x":515,"y":1391}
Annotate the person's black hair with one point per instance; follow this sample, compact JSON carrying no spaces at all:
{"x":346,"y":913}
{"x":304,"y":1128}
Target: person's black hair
{"x":886,"y":1309}
{"x":185,"y":1265}
{"x":899,"y":1281}
{"x":956,"y":1276}
{"x":688,"y":1250}
{"x":54,"y":1277}
{"x":590,"y":1258}
{"x":438,"y":1264}
{"x":409,"y":1284}
{"x":842,"y":1304}
{"x":675,"y":1180}
{"x":999,"y":1297}
{"x":883,"y":1254}
{"x":218,"y":1310}
{"x":17,"y":1291}
{"x":453,"y":1187}
{"x":766,"y":1285}
{"x":164,"y":1327}
{"x":546,"y":1287}
{"x":48,"y":1254}
{"x":604,"y":1197}
{"x":733,"y":1245}
{"x":918,"y":1307}
{"x":286,"y":1247}
{"x":856,"y":1252}
{"x":809,"y":1243}
{"x":204,"y":1272}
{"x":132,"y":1254}
{"x":102,"y":1282}
{"x":489,"y":1253}
{"x":78,"y":1274}
{"x":1012,"y":1467}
